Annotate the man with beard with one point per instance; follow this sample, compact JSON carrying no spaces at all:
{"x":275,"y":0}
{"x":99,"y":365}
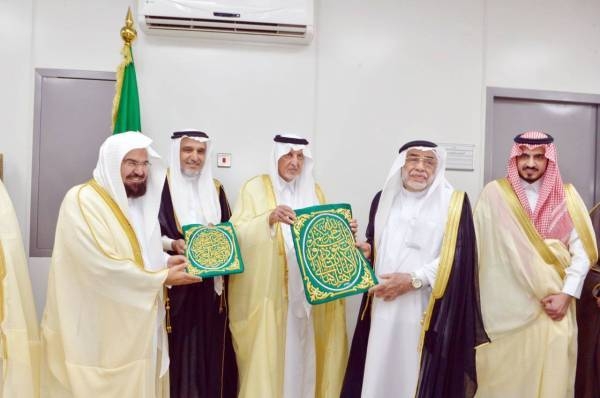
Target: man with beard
{"x":19,"y":334}
{"x":200,"y":350}
{"x":421,"y":241}
{"x":535,"y":245}
{"x":103,"y":331}
{"x":284,"y":346}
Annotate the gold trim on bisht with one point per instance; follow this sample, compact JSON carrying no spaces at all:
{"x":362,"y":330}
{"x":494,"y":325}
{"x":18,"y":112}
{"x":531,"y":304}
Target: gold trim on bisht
{"x":2,"y":335}
{"x":266,"y":179}
{"x":177,"y":223}
{"x":575,"y":206}
{"x":278,"y":233}
{"x":123,"y":221}
{"x":534,"y":237}
{"x":446,"y":258}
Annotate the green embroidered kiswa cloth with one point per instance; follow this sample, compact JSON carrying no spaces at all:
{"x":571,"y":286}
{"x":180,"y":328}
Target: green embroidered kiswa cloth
{"x":212,"y":250}
{"x":331,"y":265}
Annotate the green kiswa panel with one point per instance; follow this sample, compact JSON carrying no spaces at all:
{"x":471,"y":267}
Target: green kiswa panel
{"x":212,"y":250}
{"x":330,"y":264}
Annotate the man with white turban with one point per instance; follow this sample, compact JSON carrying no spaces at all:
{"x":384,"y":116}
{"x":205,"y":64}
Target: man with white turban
{"x":19,"y":331}
{"x":103,"y":331}
{"x":200,"y":349}
{"x":418,"y":328}
{"x":284,"y":346}
{"x":535,"y":245}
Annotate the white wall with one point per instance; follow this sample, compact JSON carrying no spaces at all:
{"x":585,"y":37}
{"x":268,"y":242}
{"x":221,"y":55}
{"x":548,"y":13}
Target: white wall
{"x":544,"y":45}
{"x":16,"y":101}
{"x":241,"y":94}
{"x":391,"y":72}
{"x":378,"y":74}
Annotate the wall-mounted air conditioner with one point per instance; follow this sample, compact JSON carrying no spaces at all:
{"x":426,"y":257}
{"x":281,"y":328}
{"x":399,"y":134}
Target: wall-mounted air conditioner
{"x":289,"y":21}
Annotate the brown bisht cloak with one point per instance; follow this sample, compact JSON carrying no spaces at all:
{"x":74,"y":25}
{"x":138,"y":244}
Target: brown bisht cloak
{"x":455,"y":326}
{"x":202,"y":360}
{"x":587,"y":380}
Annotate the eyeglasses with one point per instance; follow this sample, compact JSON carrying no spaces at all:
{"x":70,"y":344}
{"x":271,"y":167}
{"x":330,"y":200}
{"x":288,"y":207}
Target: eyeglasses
{"x":132,"y":164}
{"x":415,"y":160}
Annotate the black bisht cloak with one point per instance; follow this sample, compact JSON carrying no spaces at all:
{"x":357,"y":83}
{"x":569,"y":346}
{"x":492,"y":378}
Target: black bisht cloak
{"x":201,"y":353}
{"x":587,"y":379}
{"x":456,"y":327}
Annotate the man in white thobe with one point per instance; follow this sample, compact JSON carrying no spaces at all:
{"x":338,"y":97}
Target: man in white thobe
{"x":402,"y":336}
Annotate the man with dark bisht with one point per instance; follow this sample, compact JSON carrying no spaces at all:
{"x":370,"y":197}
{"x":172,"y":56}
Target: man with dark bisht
{"x":103,"y":329}
{"x":418,"y":328}
{"x":285,"y":347}
{"x":587,"y":380}
{"x":202,"y":357}
{"x":535,"y":244}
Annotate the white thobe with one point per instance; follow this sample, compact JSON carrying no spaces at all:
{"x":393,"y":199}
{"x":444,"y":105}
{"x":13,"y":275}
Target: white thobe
{"x":193,"y":212}
{"x":300,"y":357}
{"x":152,"y":264}
{"x":392,"y":363}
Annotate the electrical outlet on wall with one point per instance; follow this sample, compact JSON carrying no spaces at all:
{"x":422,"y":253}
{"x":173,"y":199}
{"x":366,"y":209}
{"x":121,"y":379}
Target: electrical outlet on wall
{"x":223,"y":160}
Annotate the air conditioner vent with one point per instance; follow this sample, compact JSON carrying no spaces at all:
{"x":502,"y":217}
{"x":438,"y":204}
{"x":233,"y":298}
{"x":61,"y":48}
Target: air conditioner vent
{"x":224,"y":26}
{"x":275,"y":21}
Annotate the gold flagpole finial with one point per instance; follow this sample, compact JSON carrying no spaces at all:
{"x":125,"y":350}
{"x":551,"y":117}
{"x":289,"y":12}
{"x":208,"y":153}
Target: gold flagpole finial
{"x":128,"y":32}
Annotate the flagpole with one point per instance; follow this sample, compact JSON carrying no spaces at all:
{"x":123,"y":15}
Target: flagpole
{"x":128,"y":32}
{"x":126,"y":106}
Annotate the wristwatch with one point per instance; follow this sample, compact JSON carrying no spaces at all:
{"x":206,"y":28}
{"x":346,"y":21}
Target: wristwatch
{"x":415,"y":282}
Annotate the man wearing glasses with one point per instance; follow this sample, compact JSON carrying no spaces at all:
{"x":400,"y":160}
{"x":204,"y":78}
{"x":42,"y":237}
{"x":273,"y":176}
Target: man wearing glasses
{"x":103,"y":331}
{"x":418,"y":328}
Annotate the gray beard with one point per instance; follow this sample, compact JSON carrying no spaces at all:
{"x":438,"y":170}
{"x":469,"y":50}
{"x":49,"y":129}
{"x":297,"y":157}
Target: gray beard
{"x":191,"y":174}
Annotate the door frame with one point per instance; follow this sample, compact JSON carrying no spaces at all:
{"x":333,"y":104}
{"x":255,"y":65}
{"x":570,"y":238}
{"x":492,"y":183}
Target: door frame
{"x":40,"y":74}
{"x":537,"y":95}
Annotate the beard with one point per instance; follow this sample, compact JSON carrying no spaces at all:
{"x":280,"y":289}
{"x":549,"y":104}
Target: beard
{"x":530,"y":170}
{"x":190,"y":173}
{"x":412,"y":185}
{"x":415,"y":186}
{"x":135,"y":189}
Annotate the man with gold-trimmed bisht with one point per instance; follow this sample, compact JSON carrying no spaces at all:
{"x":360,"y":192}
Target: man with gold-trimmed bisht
{"x":103,"y":329}
{"x":418,"y":328}
{"x":19,"y":331}
{"x":202,"y":361}
{"x":284,"y":346}
{"x":535,"y":244}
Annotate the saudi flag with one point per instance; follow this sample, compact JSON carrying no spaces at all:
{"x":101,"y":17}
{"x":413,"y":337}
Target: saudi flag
{"x":126,"y":105}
